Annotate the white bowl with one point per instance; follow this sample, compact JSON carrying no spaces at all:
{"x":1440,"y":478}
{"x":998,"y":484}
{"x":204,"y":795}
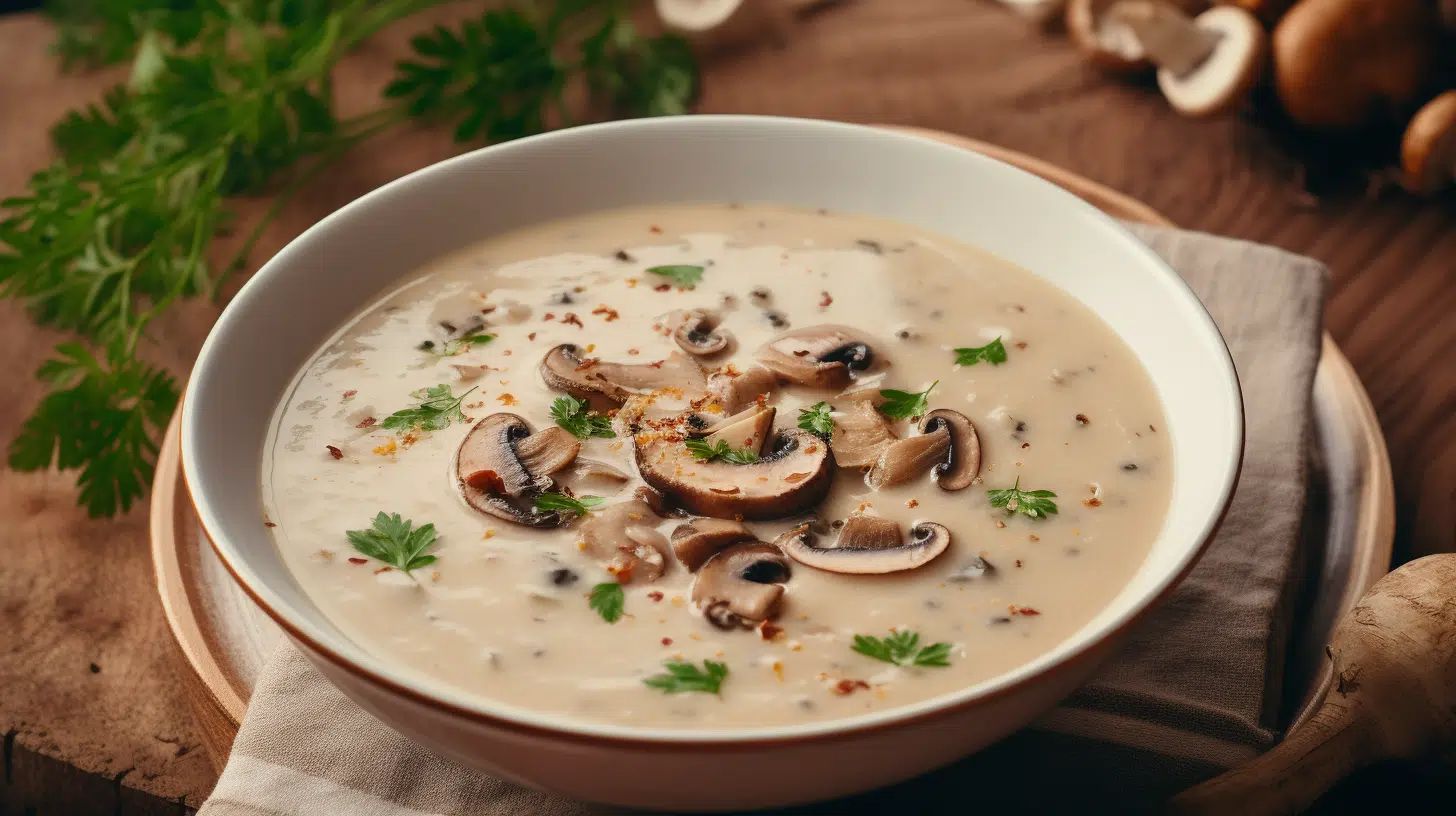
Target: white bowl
{"x":297,"y":299}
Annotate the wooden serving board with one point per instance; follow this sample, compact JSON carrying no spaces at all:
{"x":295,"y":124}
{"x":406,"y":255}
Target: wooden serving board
{"x":223,"y":639}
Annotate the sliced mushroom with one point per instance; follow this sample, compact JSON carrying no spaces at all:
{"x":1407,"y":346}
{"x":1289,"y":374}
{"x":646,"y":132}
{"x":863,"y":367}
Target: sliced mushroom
{"x":818,"y":356}
{"x":860,"y":436}
{"x":699,"y":334}
{"x":947,"y":447}
{"x":548,"y":450}
{"x":621,"y":536}
{"x":1206,"y":64}
{"x":792,"y":478}
{"x":492,"y":478}
{"x":564,"y":369}
{"x":741,"y":585}
{"x":976,"y":569}
{"x":700,"y":539}
{"x":735,"y":390}
{"x":964,"y":463}
{"x":747,"y":429}
{"x":868,"y":545}
{"x":864,"y":389}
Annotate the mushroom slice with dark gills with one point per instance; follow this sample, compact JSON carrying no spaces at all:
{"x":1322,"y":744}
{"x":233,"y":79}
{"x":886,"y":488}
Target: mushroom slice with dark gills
{"x":700,"y":539}
{"x":697,"y":332}
{"x":867,"y":545}
{"x":794,"y":476}
{"x":564,"y":369}
{"x":860,"y":436}
{"x":746,"y":429}
{"x":625,"y":539}
{"x":742,"y":585}
{"x":946,"y":447}
{"x":493,"y":472}
{"x":735,"y":390}
{"x":817,"y":356}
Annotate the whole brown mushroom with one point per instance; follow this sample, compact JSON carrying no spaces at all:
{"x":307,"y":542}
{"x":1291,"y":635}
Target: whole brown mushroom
{"x":1428,"y":150}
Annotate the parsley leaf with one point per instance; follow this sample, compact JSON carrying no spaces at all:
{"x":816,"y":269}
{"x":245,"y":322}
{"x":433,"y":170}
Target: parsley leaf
{"x":684,"y":275}
{"x":437,"y":408}
{"x":682,"y":676}
{"x":993,"y":353}
{"x":704,"y":451}
{"x":1031,"y":503}
{"x":904,"y":404}
{"x":903,"y":649}
{"x":607,"y":600}
{"x":816,"y":418}
{"x":460,"y":344}
{"x":392,"y":541}
{"x":555,"y":502}
{"x":571,"y":414}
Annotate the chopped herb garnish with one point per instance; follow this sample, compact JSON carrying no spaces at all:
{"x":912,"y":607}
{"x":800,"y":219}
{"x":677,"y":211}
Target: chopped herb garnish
{"x":903,"y":649}
{"x":904,"y":404}
{"x":392,"y":541}
{"x":459,"y":345}
{"x":607,"y":600}
{"x":571,"y":414}
{"x":684,"y":275}
{"x":816,"y":418}
{"x":1032,"y":503}
{"x":682,"y":676}
{"x":705,"y":451}
{"x":993,"y":353}
{"x":553,"y":502}
{"x":437,"y":408}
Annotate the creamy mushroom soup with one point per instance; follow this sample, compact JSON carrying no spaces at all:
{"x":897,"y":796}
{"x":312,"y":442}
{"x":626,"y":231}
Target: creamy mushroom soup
{"x":715,"y":466}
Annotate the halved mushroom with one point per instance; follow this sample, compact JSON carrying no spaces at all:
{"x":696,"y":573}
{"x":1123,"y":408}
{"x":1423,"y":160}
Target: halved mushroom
{"x":735,"y":390}
{"x":818,"y":356}
{"x":699,"y":334}
{"x":746,"y":429}
{"x":947,"y":447}
{"x":868,"y":545}
{"x":793,"y":477}
{"x":492,"y":477}
{"x":622,"y":537}
{"x":548,"y":450}
{"x":1206,"y":64}
{"x":860,"y":436}
{"x":741,"y":585}
{"x":564,"y":369}
{"x":700,"y":539}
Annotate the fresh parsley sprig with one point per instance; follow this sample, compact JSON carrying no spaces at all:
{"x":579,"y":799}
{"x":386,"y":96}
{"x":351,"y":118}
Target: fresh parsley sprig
{"x":571,"y":414}
{"x":683,"y":677}
{"x":391,"y":540}
{"x":704,"y":451}
{"x":905,"y":404}
{"x":993,"y":353}
{"x":685,"y":276}
{"x":608,"y":600}
{"x":458,"y":345}
{"x":436,"y":410}
{"x":816,"y":418}
{"x":557,"y":502}
{"x":903,"y":649}
{"x":1030,"y":503}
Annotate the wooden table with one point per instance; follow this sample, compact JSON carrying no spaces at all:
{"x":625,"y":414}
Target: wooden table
{"x":93,"y":716}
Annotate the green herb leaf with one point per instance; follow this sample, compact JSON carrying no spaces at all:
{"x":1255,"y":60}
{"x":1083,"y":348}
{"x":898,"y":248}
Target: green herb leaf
{"x":608,"y":600}
{"x":906,"y":405}
{"x":684,"y":275}
{"x":554,"y":502}
{"x":993,"y":353}
{"x":571,"y":414}
{"x":459,"y":345}
{"x":816,"y":418}
{"x":1030,"y":503}
{"x":903,"y":649}
{"x":683,"y":677}
{"x":392,"y":541}
{"x":703,"y":451}
{"x":436,"y":410}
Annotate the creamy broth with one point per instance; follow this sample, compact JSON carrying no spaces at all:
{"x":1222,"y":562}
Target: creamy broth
{"x":503,"y":612}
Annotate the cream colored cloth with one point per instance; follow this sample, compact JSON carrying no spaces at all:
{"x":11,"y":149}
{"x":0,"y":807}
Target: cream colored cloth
{"x":1195,"y":691}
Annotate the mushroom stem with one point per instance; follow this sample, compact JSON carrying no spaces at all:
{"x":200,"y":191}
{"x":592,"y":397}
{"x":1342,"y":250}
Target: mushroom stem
{"x":1171,"y":39}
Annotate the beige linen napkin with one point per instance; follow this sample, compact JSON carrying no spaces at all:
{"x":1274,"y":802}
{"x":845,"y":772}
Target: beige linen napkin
{"x":1195,"y":691}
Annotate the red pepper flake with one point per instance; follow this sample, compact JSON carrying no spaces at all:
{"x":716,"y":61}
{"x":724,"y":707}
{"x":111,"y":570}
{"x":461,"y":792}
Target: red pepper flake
{"x":358,"y":561}
{"x":487,"y":481}
{"x":587,"y":363}
{"x":366,"y":422}
{"x":507,"y":399}
{"x":608,"y":313}
{"x":1082,"y":419}
{"x":1018,"y":563}
{"x":531,"y":336}
{"x":654,"y":596}
{"x":655,"y":228}
{"x":1000,"y":524}
{"x":845,"y":687}
{"x":1021,"y":346}
{"x":335,"y":452}
{"x":572,"y":320}
{"x":657,"y":364}
{"x":633,"y":352}
{"x":768,"y":630}
{"x":1033,"y":537}
{"x":507,"y":352}
{"x":913,"y":503}
{"x":269,"y":524}
{"x":1092,"y":502}
{"x":826,"y":300}
{"x":662,"y":287}
{"x":549,"y":316}
{"x":1024,"y":610}
{"x":667,"y":641}
{"x":383,"y":569}
{"x":350,"y":393}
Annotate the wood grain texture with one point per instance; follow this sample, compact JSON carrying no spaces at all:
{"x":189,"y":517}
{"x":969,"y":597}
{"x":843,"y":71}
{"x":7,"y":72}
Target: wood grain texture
{"x":76,"y":591}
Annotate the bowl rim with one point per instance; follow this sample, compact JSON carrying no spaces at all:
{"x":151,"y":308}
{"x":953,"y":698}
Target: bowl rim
{"x":481,"y":709}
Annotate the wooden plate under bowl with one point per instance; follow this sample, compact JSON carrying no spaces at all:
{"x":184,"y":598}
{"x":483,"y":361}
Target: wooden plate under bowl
{"x":223,"y":639}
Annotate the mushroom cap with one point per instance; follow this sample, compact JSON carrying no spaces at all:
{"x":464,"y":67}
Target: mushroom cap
{"x":742,"y":584}
{"x":735,"y":390}
{"x":817,"y":356}
{"x":1428,"y":149}
{"x":1225,"y":78}
{"x":904,"y":459}
{"x":793,"y":477}
{"x":965,"y":449}
{"x":860,"y":435}
{"x":1110,"y":46}
{"x":564,"y":369}
{"x":746,"y":429}
{"x":868,"y":545}
{"x":622,"y":538}
{"x":700,"y":539}
{"x":491,"y":477}
{"x":699,"y":334}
